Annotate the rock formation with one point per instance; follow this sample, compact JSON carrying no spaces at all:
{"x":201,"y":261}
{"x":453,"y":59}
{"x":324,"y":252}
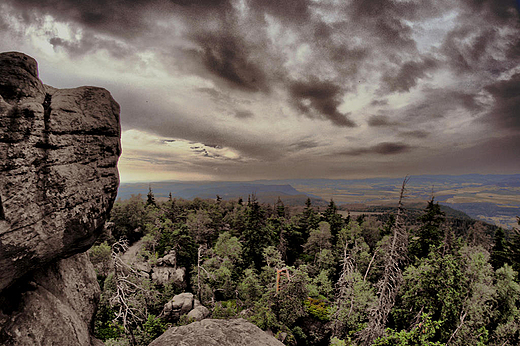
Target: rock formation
{"x":58,"y":181}
{"x":211,"y":332}
{"x":165,"y":271}
{"x":54,"y":306}
{"x":182,"y":304}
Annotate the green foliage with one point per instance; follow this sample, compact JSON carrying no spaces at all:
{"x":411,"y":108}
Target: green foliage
{"x":100,"y":257}
{"x":108,"y":330}
{"x":289,"y":302}
{"x":228,"y":246}
{"x":117,"y":342}
{"x":129,"y":218}
{"x":249,"y":288}
{"x":273,"y":257}
{"x":184,"y":320}
{"x":421,"y":334}
{"x":225,"y":309}
{"x":257,"y":235}
{"x":334,"y":219}
{"x":319,"y":239}
{"x":430,"y":234}
{"x":352,"y":305}
{"x":437,"y":286}
{"x":339,"y":342}
{"x":150,"y":198}
{"x":151,"y":329}
{"x":451,"y":294}
{"x":318,"y":309}
{"x":506,"y":317}
{"x":263,"y":315}
{"x":499,"y":254}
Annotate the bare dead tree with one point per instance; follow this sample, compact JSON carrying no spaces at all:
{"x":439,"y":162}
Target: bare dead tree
{"x":392,"y":279}
{"x":199,"y":267}
{"x":344,"y":290}
{"x":129,"y":310}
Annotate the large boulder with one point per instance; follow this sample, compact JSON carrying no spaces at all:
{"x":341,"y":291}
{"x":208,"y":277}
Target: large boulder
{"x":58,"y":167}
{"x":58,"y":181}
{"x":168,"y":275}
{"x":52,"y":307}
{"x":212,"y":332}
{"x":199,"y":313}
{"x":179,"y":305}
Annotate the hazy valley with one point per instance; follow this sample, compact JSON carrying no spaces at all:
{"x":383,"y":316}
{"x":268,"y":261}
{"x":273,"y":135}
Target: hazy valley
{"x":491,"y":198}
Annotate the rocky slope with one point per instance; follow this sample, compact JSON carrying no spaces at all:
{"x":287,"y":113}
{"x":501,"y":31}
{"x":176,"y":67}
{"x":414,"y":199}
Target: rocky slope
{"x":58,"y":181}
{"x":211,"y":332}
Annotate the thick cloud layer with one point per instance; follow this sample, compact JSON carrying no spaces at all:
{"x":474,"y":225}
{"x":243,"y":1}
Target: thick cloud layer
{"x":267,"y":88}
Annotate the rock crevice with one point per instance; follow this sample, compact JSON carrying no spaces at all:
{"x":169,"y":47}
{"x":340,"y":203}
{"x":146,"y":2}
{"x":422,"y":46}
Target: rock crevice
{"x":59,"y":150}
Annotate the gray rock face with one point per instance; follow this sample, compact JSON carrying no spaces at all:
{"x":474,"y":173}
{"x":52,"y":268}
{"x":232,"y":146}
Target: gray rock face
{"x":165,"y":275}
{"x":58,"y":167}
{"x":179,"y":305}
{"x":55,"y":306}
{"x":199,"y":313}
{"x":58,"y":181}
{"x":211,"y":332}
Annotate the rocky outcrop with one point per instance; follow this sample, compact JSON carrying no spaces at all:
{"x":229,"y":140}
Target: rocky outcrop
{"x":163,"y":275}
{"x":58,"y":167}
{"x":165,"y":271}
{"x":52,"y":307}
{"x":211,"y":332}
{"x":58,"y":180}
{"x":182,"y":304}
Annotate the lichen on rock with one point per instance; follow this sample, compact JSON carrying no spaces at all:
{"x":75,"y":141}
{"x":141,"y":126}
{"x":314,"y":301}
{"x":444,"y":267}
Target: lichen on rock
{"x":58,"y":167}
{"x":58,"y":181}
{"x":211,"y":332}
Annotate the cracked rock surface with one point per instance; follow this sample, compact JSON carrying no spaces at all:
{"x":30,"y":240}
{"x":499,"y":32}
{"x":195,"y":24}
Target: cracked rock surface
{"x":211,"y":332}
{"x":58,"y":167}
{"x":58,"y":180}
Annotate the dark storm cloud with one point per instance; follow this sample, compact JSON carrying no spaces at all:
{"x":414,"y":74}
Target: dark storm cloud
{"x":303,"y":144}
{"x":90,"y":43}
{"x":119,"y":17}
{"x":385,"y":148}
{"x":414,"y":134}
{"x":506,"y":108}
{"x":243,"y":114}
{"x":502,"y":10}
{"x":317,"y":98}
{"x":296,"y":11}
{"x":380,"y":121}
{"x":386,"y":19}
{"x":440,"y":103}
{"x":470,"y":49}
{"x":201,"y":3}
{"x":226,"y":56}
{"x":382,"y":102}
{"x":408,"y":74}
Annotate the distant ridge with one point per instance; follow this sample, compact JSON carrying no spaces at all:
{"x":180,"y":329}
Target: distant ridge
{"x":265,"y":193}
{"x":494,"y":198}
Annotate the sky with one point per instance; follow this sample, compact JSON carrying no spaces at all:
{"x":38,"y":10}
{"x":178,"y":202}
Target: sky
{"x":284,"y":89}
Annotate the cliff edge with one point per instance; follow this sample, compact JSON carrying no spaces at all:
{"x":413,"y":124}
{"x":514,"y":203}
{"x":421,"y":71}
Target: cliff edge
{"x":58,"y":180}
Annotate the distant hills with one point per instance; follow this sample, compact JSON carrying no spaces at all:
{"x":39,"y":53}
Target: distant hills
{"x":265,"y":193}
{"x":494,"y":198}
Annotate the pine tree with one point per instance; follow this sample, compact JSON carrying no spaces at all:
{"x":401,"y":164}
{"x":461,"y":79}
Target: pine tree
{"x":499,"y":253}
{"x":280,"y":208}
{"x":430,"y":234}
{"x":333,"y":218}
{"x":150,"y":199}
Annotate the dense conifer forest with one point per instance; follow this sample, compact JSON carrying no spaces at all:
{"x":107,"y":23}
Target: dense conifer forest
{"x":311,"y":276}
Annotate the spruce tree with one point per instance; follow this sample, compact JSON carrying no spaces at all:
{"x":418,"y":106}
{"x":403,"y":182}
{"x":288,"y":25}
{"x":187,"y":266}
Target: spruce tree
{"x":150,"y":199}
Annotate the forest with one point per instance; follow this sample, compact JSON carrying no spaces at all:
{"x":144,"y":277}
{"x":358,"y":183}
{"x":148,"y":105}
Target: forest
{"x":309,"y":276}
